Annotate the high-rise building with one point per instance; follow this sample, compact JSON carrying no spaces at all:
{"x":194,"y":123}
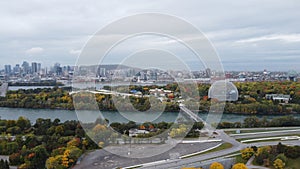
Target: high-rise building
{"x":16,"y":69}
{"x":39,"y":67}
{"x":7,"y":69}
{"x":153,"y":75}
{"x":26,"y":67}
{"x":57,"y":69}
{"x":34,"y":67}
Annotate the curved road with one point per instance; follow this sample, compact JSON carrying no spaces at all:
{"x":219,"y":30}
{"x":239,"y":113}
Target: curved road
{"x":99,"y":156}
{"x":179,"y":163}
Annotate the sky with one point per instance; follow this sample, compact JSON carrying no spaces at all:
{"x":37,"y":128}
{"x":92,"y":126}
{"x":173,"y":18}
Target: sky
{"x":247,"y":35}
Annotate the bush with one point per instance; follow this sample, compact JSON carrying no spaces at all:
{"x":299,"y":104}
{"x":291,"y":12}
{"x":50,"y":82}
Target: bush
{"x":282,"y":157}
{"x":247,"y":153}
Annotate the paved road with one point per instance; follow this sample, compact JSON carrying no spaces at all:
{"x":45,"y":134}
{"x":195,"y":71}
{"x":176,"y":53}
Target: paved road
{"x":105,"y":160}
{"x":177,"y":164}
{"x":262,"y":129}
{"x":266,"y":134}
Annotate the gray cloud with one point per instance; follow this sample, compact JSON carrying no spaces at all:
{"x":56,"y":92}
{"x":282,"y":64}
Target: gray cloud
{"x":243,"y":32}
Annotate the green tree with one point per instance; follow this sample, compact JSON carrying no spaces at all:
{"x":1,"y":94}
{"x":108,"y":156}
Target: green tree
{"x":39,"y":157}
{"x":55,"y":162}
{"x":251,"y":122}
{"x":23,"y":123}
{"x":282,"y":157}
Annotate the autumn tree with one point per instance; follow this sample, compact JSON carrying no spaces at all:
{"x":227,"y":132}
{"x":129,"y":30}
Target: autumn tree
{"x":179,"y":132}
{"x":239,"y":166}
{"x":54,"y":162}
{"x":247,"y":153}
{"x":39,"y":157}
{"x":279,"y":164}
{"x":216,"y":165}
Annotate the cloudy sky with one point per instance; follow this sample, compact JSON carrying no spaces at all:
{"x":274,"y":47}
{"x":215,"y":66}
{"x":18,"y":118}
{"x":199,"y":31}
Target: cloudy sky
{"x":248,"y":35}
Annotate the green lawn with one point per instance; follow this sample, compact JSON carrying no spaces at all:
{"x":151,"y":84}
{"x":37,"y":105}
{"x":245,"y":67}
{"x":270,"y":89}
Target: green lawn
{"x":293,"y":163}
{"x":221,"y":147}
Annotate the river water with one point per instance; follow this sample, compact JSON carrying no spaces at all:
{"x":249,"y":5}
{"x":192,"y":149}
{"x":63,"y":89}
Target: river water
{"x":91,"y":116}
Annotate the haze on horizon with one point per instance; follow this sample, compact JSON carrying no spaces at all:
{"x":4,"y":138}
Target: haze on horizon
{"x":248,"y":35}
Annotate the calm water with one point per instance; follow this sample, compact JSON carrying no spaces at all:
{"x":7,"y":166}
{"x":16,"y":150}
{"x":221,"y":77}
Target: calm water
{"x":97,"y":85}
{"x":90,"y":116}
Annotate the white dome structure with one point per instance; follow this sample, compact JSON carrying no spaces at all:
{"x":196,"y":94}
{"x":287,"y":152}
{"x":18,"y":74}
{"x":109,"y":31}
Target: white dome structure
{"x":223,"y":91}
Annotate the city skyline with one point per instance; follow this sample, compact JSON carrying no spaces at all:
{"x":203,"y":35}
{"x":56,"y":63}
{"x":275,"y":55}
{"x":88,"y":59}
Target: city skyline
{"x":37,"y":66}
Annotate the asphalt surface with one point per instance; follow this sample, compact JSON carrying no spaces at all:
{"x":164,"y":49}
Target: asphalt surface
{"x":106,"y":160}
{"x":267,"y":134}
{"x":179,"y":163}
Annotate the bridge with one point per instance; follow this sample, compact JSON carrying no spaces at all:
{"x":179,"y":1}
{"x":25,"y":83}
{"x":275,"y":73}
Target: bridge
{"x":102,"y":91}
{"x":196,"y":118}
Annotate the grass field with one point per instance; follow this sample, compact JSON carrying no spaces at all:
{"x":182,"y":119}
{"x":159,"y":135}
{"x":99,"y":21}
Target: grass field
{"x":221,"y":147}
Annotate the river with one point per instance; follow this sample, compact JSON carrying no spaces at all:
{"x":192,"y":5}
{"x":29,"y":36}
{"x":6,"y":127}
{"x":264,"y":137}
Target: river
{"x":98,"y":86}
{"x":90,"y":116}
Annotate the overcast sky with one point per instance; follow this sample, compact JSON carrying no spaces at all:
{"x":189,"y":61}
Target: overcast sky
{"x":248,"y":35}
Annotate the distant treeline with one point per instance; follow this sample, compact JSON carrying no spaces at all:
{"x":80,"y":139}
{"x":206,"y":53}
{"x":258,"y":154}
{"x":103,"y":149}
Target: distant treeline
{"x":255,"y":122}
{"x":251,"y":99}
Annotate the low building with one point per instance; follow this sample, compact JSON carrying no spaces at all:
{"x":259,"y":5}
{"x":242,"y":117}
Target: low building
{"x":278,"y":97}
{"x":159,"y":92}
{"x":136,"y":132}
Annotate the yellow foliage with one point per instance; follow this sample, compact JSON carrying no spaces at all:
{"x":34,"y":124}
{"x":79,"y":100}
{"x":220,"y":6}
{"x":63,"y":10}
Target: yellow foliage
{"x":101,"y":144}
{"x":178,"y":132}
{"x":65,"y":158}
{"x":54,"y":162}
{"x":98,"y":128}
{"x":247,"y":153}
{"x":239,"y":166}
{"x":216,"y":165}
{"x":279,"y":164}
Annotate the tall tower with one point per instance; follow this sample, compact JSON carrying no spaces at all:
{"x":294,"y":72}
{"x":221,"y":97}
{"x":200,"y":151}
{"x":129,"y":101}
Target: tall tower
{"x":34,"y":68}
{"x":7,"y":69}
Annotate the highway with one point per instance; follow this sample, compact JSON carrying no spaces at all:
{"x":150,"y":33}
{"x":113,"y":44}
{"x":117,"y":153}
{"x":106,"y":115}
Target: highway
{"x":179,"y":163}
{"x":105,"y":160}
{"x":266,"y":134}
